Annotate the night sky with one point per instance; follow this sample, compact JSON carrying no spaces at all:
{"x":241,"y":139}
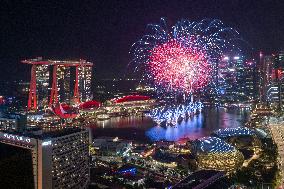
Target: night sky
{"x":103,"y":31}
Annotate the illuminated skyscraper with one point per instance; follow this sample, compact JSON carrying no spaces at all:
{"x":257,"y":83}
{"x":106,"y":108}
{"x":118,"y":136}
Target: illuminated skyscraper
{"x":275,"y":84}
{"x":58,"y":74}
{"x":230,"y":71}
{"x":85,"y":82}
{"x":60,"y":159}
{"x":265,"y":70}
{"x":42,"y":85}
{"x":63,"y":83}
{"x":249,"y":81}
{"x":227,"y":77}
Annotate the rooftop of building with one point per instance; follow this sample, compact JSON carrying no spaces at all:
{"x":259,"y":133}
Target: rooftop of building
{"x":38,"y":133}
{"x":130,"y":98}
{"x":40,"y":61}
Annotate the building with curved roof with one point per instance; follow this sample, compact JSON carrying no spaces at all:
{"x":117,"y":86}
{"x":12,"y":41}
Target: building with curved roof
{"x":214,"y":153}
{"x":227,"y":161}
{"x":64,"y":111}
{"x":130,"y":98}
{"x":90,"y":104}
{"x":213,"y":144}
{"x":231,"y":132}
{"x":54,"y":81}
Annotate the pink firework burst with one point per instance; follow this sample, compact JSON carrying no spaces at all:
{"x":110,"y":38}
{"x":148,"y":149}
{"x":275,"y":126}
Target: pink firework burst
{"x":178,"y":68}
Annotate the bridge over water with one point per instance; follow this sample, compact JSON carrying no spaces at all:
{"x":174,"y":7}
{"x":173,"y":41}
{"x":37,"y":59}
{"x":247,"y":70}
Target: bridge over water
{"x":200,"y":179}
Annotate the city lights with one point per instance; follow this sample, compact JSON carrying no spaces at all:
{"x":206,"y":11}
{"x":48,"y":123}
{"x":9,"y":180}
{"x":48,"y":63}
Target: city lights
{"x":183,"y":59}
{"x":92,"y":96}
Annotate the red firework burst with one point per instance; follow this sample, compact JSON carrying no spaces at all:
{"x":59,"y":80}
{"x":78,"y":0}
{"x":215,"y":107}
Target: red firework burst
{"x":178,"y":68}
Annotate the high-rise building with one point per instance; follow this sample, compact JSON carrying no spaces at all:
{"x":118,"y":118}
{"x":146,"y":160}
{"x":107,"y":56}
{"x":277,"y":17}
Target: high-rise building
{"x":226,"y":78}
{"x":265,"y":69}
{"x":237,"y":79}
{"x":249,"y":81}
{"x":42,"y":84}
{"x":85,"y":82}
{"x":52,"y":82}
{"x":230,"y":72}
{"x":275,"y":82}
{"x":59,"y":159}
{"x":63,"y":83}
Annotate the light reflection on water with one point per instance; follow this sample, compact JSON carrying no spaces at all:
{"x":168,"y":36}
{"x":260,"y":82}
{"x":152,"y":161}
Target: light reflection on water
{"x":203,"y":124}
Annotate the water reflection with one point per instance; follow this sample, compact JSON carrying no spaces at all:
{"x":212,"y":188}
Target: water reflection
{"x":203,"y":124}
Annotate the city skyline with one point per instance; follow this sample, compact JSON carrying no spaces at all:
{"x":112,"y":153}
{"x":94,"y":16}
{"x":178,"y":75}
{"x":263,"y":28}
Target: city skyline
{"x":142,"y":94}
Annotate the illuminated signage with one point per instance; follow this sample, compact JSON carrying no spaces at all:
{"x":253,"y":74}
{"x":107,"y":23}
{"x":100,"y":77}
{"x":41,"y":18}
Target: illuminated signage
{"x":17,"y":138}
{"x":46,"y":143}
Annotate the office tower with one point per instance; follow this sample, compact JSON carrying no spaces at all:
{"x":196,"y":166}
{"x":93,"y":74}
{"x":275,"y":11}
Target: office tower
{"x":230,"y":73}
{"x":240,"y":78}
{"x":250,"y":80}
{"x":59,"y":159}
{"x":226,"y":78}
{"x":265,"y":69}
{"x":275,"y":84}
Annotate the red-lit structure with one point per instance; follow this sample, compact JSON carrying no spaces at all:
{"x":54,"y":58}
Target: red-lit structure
{"x":32,"y":102}
{"x":2,"y":100}
{"x":64,"y":111}
{"x":130,"y":98}
{"x":76,"y":87}
{"x":90,"y":104}
{"x":40,"y":78}
{"x":53,"y":95}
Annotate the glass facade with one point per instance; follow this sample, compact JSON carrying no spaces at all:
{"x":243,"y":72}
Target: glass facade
{"x":70,"y":157}
{"x":275,"y":83}
{"x":59,"y":160}
{"x":42,"y":85}
{"x":63,"y":83}
{"x":84,"y":81}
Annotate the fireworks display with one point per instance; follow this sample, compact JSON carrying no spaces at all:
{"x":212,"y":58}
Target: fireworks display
{"x":183,"y":59}
{"x":178,"y":68}
{"x":170,"y":116}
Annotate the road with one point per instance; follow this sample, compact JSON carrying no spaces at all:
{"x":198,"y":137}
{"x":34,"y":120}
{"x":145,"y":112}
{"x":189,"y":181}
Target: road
{"x":277,"y":133}
{"x":199,"y":179}
{"x":159,"y":175}
{"x":255,"y":156}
